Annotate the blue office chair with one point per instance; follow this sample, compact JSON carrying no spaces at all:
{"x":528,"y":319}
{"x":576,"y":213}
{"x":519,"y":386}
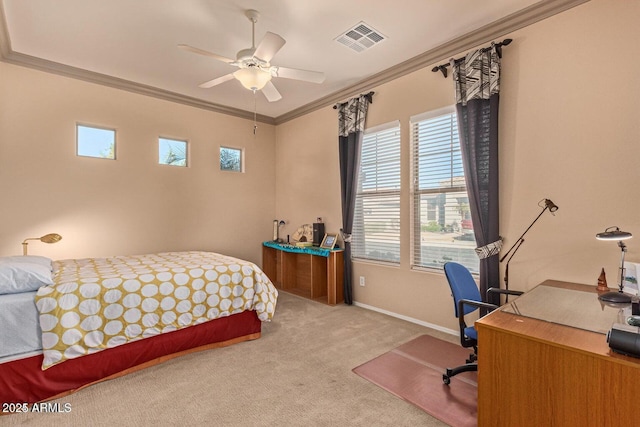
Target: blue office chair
{"x":467,"y":299}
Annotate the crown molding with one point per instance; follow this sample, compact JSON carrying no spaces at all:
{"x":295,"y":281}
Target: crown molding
{"x":115,"y":82}
{"x":9,"y":56}
{"x":530,"y":15}
{"x":499,"y":28}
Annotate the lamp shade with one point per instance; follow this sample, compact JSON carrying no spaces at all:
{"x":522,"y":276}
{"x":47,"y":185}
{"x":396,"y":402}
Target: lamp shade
{"x":51,"y":238}
{"x":47,"y":238}
{"x":613,"y":233}
{"x":253,"y":78}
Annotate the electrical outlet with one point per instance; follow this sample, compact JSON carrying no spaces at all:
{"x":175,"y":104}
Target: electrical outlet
{"x":361,"y":280}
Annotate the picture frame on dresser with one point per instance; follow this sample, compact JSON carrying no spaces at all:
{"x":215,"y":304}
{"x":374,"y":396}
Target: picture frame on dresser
{"x":329,"y":241}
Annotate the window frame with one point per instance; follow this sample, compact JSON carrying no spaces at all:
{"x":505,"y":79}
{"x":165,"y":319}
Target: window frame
{"x":186,"y":151}
{"x":416,"y":194}
{"x":241,"y":159}
{"x":356,"y":253}
{"x":96,"y":127}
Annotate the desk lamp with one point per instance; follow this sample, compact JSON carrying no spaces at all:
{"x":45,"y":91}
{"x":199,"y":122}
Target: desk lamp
{"x":548,"y":204}
{"x":47,"y":238}
{"x":614,"y":233}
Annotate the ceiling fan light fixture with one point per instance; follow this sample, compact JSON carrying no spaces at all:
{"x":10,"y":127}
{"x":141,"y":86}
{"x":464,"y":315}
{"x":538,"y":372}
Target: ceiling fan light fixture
{"x":253,"y":78}
{"x":254,"y":63}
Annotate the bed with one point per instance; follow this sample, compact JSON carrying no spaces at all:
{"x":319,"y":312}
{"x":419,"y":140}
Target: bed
{"x":71,"y":323}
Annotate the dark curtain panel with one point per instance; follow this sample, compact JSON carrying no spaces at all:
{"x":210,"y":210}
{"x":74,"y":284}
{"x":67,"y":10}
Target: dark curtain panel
{"x":477,"y":80}
{"x":351,"y":119}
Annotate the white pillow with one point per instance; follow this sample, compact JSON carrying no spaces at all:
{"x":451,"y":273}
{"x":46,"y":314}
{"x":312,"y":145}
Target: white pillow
{"x":20,"y":276}
{"x":33,"y":259}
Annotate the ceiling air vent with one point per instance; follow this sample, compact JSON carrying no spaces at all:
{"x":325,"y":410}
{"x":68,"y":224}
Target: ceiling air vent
{"x":361,"y":37}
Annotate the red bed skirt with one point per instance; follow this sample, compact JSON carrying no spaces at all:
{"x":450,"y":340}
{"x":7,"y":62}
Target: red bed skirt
{"x":24,"y":381}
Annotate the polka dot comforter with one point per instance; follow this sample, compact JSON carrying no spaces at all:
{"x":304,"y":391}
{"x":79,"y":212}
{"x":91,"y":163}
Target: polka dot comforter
{"x":99,"y":303}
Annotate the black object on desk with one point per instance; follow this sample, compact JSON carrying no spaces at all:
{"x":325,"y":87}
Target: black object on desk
{"x":318,"y":233}
{"x":624,"y":339}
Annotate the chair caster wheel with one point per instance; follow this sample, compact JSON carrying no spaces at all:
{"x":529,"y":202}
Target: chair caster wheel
{"x":446,"y":380}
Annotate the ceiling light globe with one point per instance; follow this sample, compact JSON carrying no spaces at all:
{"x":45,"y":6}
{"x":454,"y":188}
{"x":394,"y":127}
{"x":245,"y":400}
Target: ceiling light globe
{"x":252,"y":78}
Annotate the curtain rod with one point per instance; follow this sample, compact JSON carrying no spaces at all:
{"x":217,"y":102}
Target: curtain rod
{"x":368,"y":95}
{"x":443,"y":67}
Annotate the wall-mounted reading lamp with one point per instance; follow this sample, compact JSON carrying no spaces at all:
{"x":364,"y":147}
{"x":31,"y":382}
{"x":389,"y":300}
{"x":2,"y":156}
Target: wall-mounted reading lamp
{"x":614,"y":233}
{"x":47,"y":238}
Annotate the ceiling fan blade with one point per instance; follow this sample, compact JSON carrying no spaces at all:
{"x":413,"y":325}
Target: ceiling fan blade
{"x":271,"y":93}
{"x":216,"y":81}
{"x":269,"y":46}
{"x":292,"y":73}
{"x":205,"y":53}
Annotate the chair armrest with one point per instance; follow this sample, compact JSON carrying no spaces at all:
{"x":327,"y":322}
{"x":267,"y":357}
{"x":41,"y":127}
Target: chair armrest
{"x":479,"y":304}
{"x":503,"y":292}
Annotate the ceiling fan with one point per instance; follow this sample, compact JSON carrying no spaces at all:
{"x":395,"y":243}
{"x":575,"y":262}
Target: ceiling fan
{"x":255,"y":70}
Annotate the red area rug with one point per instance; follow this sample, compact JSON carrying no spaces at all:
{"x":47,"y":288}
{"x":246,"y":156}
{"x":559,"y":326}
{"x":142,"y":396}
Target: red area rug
{"x":413,"y":372}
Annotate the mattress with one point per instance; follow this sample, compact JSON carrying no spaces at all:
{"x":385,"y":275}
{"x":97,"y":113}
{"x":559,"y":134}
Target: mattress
{"x":231,"y":298}
{"x":23,"y":337}
{"x":101,"y":303}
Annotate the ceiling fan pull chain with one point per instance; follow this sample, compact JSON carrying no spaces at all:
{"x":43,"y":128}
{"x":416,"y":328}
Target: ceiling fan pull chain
{"x":255,"y":106}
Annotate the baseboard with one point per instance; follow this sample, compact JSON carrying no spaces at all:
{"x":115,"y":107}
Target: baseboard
{"x":407,"y":318}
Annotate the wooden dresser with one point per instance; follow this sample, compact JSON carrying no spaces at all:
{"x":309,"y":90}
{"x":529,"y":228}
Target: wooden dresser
{"x":309,"y":272}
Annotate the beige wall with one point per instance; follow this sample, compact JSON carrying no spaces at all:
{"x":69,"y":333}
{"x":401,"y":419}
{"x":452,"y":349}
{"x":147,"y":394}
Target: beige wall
{"x":307,"y":172}
{"x":131,"y":205}
{"x":569,"y":131}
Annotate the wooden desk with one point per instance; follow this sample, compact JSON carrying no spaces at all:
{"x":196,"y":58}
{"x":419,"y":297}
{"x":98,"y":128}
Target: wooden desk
{"x":309,"y":275}
{"x":536,"y":373}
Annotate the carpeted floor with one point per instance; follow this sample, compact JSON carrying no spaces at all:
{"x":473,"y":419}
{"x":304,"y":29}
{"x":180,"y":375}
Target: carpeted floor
{"x":298,"y":373}
{"x":413,"y":372}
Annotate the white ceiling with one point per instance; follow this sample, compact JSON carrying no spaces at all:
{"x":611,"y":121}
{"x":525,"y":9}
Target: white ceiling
{"x":136,"y":41}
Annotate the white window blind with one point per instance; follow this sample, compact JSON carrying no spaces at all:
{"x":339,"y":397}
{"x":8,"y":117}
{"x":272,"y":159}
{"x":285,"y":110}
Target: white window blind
{"x":441,"y":228}
{"x":376,"y":228}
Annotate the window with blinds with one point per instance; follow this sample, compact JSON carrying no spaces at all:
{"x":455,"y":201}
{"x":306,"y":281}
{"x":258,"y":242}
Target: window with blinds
{"x":441,"y":228}
{"x":376,"y":227}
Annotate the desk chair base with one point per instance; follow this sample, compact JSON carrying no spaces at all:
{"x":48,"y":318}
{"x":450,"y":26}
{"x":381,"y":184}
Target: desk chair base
{"x":469,"y":367}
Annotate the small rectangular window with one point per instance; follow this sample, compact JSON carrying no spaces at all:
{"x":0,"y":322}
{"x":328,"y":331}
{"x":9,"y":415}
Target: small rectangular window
{"x":95,"y":142}
{"x":172,"y":152}
{"x":230,"y":159}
